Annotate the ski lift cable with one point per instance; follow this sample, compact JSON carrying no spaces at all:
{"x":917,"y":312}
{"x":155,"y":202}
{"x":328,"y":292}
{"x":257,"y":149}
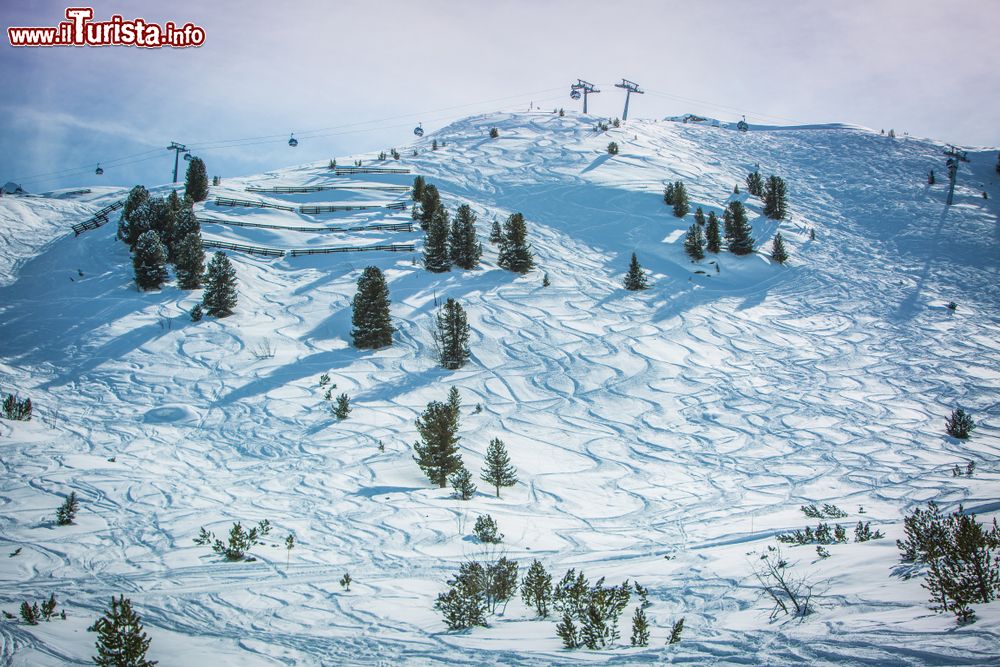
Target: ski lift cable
{"x":72,"y":170}
{"x":308,"y":134}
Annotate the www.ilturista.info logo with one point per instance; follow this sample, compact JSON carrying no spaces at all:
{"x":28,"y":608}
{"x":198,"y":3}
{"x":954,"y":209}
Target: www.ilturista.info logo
{"x":80,"y":30}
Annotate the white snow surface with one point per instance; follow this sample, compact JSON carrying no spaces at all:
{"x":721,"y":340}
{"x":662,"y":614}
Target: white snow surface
{"x":661,"y":436}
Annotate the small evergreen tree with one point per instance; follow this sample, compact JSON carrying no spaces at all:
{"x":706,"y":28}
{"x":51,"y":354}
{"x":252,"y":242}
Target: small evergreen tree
{"x":960,"y":424}
{"x":418,"y":188}
{"x":437,"y":452}
{"x":635,"y":279}
{"x":668,"y":194}
{"x":452,"y":335}
{"x":640,"y":628}
{"x":219,"y":299}
{"x":740,"y":241}
{"x":127,"y":231}
{"x":121,"y":639}
{"x":342,"y":408}
{"x":197,"y":313}
{"x":486,"y":530}
{"x":496,"y":233}
{"x":694,"y":243}
{"x":613,"y":148}
{"x":150,"y":261}
{"x":778,"y":252}
{"x":189,"y":258}
{"x":494,"y":133}
{"x":372,"y":325}
{"x":536,"y":588}
{"x":755,"y":184}
{"x":675,"y":632}
{"x":681,"y":206}
{"x":239,"y":542}
{"x":430,"y":202}
{"x":775,"y":204}
{"x":464,"y":247}
{"x":713,"y":242}
{"x":699,"y":216}
{"x":67,"y":511}
{"x":461,"y":482}
{"x":515,"y":251}
{"x":497,"y":470}
{"x":436,"y":259}
{"x":567,"y":631}
{"x":196,"y":180}
{"x":30,"y":613}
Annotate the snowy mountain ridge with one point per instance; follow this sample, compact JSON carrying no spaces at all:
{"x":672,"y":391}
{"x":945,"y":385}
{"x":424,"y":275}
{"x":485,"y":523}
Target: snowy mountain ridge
{"x":661,"y":436}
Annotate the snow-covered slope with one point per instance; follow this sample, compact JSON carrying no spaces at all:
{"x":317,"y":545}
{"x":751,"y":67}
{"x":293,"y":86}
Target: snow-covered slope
{"x":660,"y":436}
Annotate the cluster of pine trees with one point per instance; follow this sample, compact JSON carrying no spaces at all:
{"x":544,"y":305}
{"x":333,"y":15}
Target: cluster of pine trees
{"x":447,"y":243}
{"x":159,"y":231}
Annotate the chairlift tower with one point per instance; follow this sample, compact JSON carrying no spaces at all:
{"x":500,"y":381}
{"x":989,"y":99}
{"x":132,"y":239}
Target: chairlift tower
{"x":954,"y":157}
{"x":178,"y":149}
{"x":630,"y":87}
{"x":587,"y":89}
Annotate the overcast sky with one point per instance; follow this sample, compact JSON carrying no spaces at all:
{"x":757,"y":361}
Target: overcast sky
{"x":267,"y":69}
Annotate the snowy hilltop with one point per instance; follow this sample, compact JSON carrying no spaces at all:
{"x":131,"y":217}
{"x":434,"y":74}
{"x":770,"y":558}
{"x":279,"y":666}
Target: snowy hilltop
{"x":724,"y":459}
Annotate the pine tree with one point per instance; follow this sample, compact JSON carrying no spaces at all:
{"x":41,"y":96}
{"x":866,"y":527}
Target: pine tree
{"x":668,"y":194}
{"x":960,"y":424}
{"x":755,"y":184}
{"x":342,"y":408}
{"x":496,"y":234}
{"x":150,"y":261}
{"x":613,"y":148}
{"x":371,"y":321}
{"x":220,"y":295}
{"x":694,"y":242}
{"x":437,"y":452}
{"x":740,"y":241}
{"x":775,"y":204}
{"x":67,"y":511}
{"x":137,"y":196}
{"x":430,"y":202}
{"x":494,"y":133}
{"x":497,"y":470}
{"x":452,"y":335}
{"x":455,"y":404}
{"x":185,"y":222}
{"x":121,"y":640}
{"x":196,"y":180}
{"x":699,"y":216}
{"x":712,"y":240}
{"x":418,"y":188}
{"x":189,"y":261}
{"x":436,"y":258}
{"x":675,"y":632}
{"x":536,"y":588}
{"x":778,"y":252}
{"x":464,"y":247}
{"x":681,"y":206}
{"x":461,"y":482}
{"x":640,"y":628}
{"x":515,"y":251}
{"x":635,"y":279}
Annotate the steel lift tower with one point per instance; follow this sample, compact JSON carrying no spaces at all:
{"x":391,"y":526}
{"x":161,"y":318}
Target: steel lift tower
{"x":178,"y":149}
{"x":630,"y":87}
{"x":587,"y":89}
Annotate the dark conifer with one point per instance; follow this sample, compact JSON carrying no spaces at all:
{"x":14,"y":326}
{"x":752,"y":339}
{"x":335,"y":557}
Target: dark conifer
{"x":437,"y":452}
{"x":668,"y":194}
{"x":681,"y":206}
{"x":464,"y":247}
{"x":418,"y":188}
{"x":370,"y":317}
{"x":67,"y":511}
{"x":712,"y":239}
{"x":699,"y":216}
{"x":189,"y":261}
{"x":452,"y":335}
{"x":196,"y":180}
{"x":694,"y":242}
{"x":640,"y":628}
{"x":430,"y":202}
{"x":775,"y":204}
{"x":220,"y":295}
{"x":497,"y":470}
{"x":496,"y":233}
{"x":436,"y":258}
{"x":755,"y":184}
{"x":960,"y":424}
{"x":462,"y":484}
{"x":515,"y":251}
{"x":150,"y":262}
{"x":778,"y":252}
{"x":635,"y":279}
{"x":740,"y":241}
{"x":121,"y":640}
{"x":137,"y":196}
{"x":536,"y":588}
